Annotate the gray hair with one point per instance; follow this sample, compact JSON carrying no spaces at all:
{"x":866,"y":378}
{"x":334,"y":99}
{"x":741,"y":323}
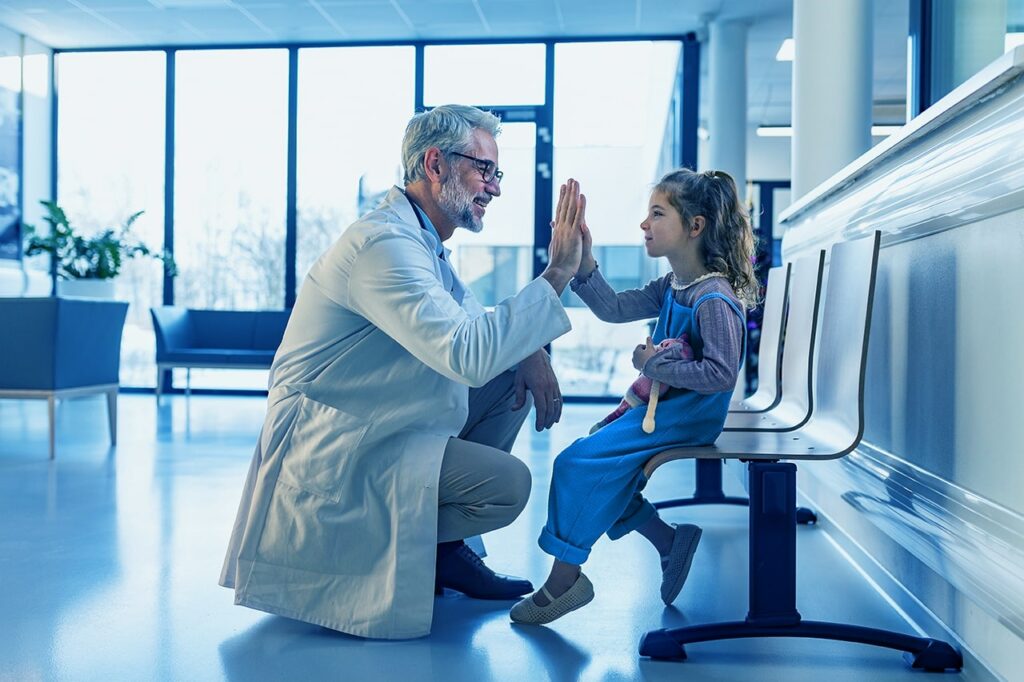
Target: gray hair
{"x":448,"y":127}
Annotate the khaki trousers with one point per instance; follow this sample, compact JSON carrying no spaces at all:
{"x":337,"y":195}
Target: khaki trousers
{"x":482,"y":486}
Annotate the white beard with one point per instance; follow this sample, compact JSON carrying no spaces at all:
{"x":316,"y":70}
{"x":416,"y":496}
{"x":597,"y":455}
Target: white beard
{"x":456,"y":201}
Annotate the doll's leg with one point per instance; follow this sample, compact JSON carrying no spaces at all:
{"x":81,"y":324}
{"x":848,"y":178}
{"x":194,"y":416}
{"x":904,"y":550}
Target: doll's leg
{"x":615,"y":414}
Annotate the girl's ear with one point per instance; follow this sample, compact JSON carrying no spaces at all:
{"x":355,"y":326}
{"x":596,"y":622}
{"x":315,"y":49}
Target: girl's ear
{"x":697,"y":228}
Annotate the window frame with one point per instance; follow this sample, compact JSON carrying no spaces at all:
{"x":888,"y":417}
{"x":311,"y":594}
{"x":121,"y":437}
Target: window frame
{"x":684,"y":116}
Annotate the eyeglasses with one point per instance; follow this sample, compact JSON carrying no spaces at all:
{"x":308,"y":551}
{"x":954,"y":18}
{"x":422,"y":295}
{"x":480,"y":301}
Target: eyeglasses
{"x":488,"y":169}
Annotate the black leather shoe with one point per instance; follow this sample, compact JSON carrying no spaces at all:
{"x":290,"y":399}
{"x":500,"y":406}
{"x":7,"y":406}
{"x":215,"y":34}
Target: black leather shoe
{"x":463,"y":570}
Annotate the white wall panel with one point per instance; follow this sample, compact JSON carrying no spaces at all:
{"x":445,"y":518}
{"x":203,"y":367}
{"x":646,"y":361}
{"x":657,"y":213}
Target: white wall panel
{"x":933,"y":493}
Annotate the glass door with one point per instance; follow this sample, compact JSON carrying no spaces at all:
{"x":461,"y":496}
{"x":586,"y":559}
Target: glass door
{"x":499,"y":261}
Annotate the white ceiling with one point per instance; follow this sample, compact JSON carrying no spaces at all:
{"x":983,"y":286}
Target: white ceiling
{"x":102,"y":23}
{"x":120,"y":23}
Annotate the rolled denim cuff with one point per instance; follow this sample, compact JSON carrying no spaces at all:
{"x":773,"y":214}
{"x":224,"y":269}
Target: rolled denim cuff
{"x":562,"y":550}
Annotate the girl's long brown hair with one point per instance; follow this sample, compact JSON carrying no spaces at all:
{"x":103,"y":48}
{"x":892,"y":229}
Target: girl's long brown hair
{"x":728,"y":239}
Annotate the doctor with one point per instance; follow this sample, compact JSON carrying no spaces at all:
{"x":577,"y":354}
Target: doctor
{"x":394,"y":401}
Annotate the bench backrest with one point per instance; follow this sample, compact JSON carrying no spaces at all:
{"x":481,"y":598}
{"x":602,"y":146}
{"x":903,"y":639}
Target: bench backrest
{"x":172,"y":328}
{"x":801,"y":332}
{"x":770,"y":349}
{"x":269,"y":329}
{"x":845,"y":328}
{"x":180,"y":328}
{"x":222,"y":328}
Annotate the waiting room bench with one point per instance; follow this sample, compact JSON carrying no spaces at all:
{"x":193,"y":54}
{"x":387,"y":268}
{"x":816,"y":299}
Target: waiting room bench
{"x":834,"y":429}
{"x":219,"y":339}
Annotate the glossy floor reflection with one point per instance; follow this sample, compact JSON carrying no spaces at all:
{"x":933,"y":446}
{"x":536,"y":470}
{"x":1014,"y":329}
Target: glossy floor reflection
{"x":109,"y":561}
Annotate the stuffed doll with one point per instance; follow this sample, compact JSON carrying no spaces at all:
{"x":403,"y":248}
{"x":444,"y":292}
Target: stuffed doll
{"x":646,"y":390}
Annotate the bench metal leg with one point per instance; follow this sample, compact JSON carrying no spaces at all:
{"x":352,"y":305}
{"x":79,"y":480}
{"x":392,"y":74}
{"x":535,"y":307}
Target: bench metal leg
{"x":772,"y":611}
{"x":112,"y":414}
{"x":709,"y":491}
{"x":51,"y":409}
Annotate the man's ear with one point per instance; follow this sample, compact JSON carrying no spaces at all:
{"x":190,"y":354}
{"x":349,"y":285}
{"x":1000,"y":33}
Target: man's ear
{"x":697,"y":228}
{"x":434,"y":164}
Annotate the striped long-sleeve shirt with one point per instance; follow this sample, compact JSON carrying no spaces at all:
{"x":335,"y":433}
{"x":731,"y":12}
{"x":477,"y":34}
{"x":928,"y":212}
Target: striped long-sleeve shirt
{"x":720,"y":329}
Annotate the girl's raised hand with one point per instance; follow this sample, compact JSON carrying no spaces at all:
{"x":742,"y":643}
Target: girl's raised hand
{"x":587,"y":262}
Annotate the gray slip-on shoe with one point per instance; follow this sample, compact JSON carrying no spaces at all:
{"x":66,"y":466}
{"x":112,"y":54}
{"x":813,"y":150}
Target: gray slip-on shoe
{"x":528,"y":612}
{"x":680,"y":558}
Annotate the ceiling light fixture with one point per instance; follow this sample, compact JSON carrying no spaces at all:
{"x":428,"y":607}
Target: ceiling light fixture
{"x":787,"y":131}
{"x":883,"y":131}
{"x":774,"y":131}
{"x":786,"y":51}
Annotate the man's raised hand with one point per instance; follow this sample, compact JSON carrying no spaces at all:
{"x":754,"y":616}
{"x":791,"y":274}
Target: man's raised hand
{"x":566,"y":249}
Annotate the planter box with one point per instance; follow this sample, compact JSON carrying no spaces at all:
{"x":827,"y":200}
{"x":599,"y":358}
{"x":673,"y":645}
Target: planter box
{"x":86,"y":288}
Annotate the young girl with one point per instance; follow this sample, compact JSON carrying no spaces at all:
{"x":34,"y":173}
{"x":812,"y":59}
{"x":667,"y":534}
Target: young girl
{"x":697,"y":222}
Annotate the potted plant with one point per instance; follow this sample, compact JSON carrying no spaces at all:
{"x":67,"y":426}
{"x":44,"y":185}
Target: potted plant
{"x":87,"y":266}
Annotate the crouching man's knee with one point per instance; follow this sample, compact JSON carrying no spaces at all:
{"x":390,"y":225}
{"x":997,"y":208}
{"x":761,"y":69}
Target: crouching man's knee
{"x":520,"y":483}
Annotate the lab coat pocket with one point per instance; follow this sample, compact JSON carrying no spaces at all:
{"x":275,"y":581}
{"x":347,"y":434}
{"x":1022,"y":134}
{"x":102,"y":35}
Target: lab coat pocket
{"x":323,"y":447}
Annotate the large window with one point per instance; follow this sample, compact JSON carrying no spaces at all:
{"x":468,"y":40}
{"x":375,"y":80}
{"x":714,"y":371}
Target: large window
{"x":10,"y":142}
{"x":37,"y":122}
{"x":110,"y":145}
{"x":515,"y":74}
{"x":231,"y":123}
{"x":964,"y":37}
{"x":497,"y":262}
{"x":614,"y":147}
{"x":349,"y":141}
{"x":230,"y":172}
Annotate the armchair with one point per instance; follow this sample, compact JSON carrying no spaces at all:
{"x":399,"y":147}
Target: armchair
{"x":55,"y":348}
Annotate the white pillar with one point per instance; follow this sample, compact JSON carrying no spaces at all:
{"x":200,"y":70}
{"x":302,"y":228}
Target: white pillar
{"x":831,"y":88}
{"x":727,"y":113}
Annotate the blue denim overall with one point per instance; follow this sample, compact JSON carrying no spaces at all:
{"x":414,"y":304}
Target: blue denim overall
{"x":596,"y":482}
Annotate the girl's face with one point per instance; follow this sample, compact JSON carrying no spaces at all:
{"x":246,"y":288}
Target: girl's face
{"x":664,"y":233}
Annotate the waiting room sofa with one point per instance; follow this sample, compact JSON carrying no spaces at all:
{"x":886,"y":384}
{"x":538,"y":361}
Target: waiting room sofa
{"x":222,"y":339}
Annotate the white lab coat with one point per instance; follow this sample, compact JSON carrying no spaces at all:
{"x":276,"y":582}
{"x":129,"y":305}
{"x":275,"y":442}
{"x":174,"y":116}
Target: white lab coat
{"x":338,"y":520}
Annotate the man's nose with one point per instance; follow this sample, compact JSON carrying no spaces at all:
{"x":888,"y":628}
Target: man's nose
{"x":493,"y":188}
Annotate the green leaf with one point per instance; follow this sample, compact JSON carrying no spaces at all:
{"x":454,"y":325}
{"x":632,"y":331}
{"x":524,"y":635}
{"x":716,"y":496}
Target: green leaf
{"x":98,"y":257}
